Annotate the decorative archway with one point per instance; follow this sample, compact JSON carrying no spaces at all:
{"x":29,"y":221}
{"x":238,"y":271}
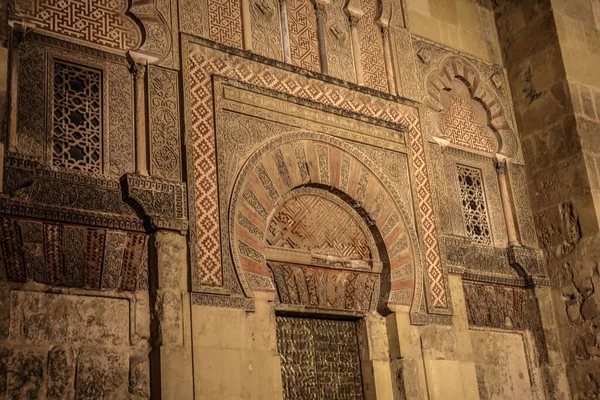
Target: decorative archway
{"x":287,"y":176}
{"x":441,"y":80}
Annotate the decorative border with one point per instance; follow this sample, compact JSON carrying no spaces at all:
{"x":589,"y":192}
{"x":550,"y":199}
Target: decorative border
{"x":202,"y":59}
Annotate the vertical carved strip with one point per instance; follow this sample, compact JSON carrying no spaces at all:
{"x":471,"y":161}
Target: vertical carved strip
{"x":225,"y":22}
{"x":302,"y":28}
{"x":266,"y":28}
{"x":31,"y":114}
{"x":132,"y":259}
{"x":94,"y":251}
{"x":11,"y":247}
{"x":119,"y":152}
{"x":113,"y":259}
{"x":74,"y":250}
{"x":518,"y":186}
{"x":54,"y":254}
{"x":15,"y":42}
{"x":338,"y":42}
{"x":165,"y":143}
{"x":32,"y":234}
{"x":404,"y":63}
{"x":371,"y":48}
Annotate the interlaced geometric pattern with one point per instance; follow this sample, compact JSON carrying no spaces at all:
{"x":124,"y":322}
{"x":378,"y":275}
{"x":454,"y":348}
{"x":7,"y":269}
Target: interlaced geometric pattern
{"x":317,"y":225}
{"x":461,"y":127}
{"x":302,"y":25}
{"x":204,"y":62}
{"x":371,"y":48}
{"x":225,"y":21}
{"x":102,"y":22}
{"x":473,"y":204}
{"x":76,"y":137}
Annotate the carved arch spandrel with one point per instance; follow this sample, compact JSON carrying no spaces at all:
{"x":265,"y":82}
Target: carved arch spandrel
{"x":441,"y":80}
{"x":312,"y":161}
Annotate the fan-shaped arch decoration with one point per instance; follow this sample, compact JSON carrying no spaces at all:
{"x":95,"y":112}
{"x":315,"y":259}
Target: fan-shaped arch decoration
{"x":309,"y":209}
{"x":443,"y":79}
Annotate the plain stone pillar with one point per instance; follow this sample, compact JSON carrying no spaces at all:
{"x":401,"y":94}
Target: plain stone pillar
{"x":171,"y":356}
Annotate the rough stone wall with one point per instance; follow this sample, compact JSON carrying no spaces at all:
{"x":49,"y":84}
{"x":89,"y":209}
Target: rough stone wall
{"x":550,"y":51}
{"x":465,"y":25}
{"x":64,"y":344}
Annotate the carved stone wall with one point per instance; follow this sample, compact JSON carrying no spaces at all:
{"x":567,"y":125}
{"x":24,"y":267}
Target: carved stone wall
{"x":311,"y":158}
{"x":198,"y":66}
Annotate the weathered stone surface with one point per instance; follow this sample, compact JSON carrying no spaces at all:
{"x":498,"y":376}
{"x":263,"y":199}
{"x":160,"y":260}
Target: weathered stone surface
{"x":25,"y":375}
{"x":60,"y":373}
{"x":102,"y":374}
{"x":85,"y":320}
{"x":139,"y":377}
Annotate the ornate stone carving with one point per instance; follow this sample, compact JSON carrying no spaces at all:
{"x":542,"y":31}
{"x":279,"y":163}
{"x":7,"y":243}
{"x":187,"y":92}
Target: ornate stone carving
{"x":119,"y":152}
{"x":371,"y":48}
{"x":159,"y":202}
{"x":461,"y":125}
{"x":32,"y":101}
{"x":73,"y":256}
{"x":104,"y":24}
{"x":406,"y":74}
{"x":319,"y":358}
{"x":111,"y":130}
{"x":340,"y":61}
{"x":266,"y":28}
{"x":318,"y":245}
{"x":324,"y":228}
{"x":325,"y":288}
{"x":163,"y":101}
{"x":193,"y":17}
{"x":302,"y":27}
{"x":442,"y":65}
{"x":225,"y":22}
{"x":201,"y":62}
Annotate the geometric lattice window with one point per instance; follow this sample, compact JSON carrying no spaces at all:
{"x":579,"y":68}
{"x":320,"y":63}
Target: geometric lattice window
{"x":77,"y":118}
{"x":473,"y":204}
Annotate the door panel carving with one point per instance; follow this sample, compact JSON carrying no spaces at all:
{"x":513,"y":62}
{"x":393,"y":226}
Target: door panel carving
{"x":319,"y":359}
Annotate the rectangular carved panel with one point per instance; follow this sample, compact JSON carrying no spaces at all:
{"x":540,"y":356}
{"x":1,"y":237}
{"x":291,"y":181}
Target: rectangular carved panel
{"x":266,"y":28}
{"x":371,"y":48}
{"x":165,"y":143}
{"x":100,"y":22}
{"x":302,"y":27}
{"x":319,"y":359}
{"x":406,"y":74}
{"x":340,"y":61}
{"x":225,"y":22}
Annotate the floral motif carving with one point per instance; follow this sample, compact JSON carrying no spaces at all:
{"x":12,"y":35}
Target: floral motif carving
{"x":165,"y":146}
